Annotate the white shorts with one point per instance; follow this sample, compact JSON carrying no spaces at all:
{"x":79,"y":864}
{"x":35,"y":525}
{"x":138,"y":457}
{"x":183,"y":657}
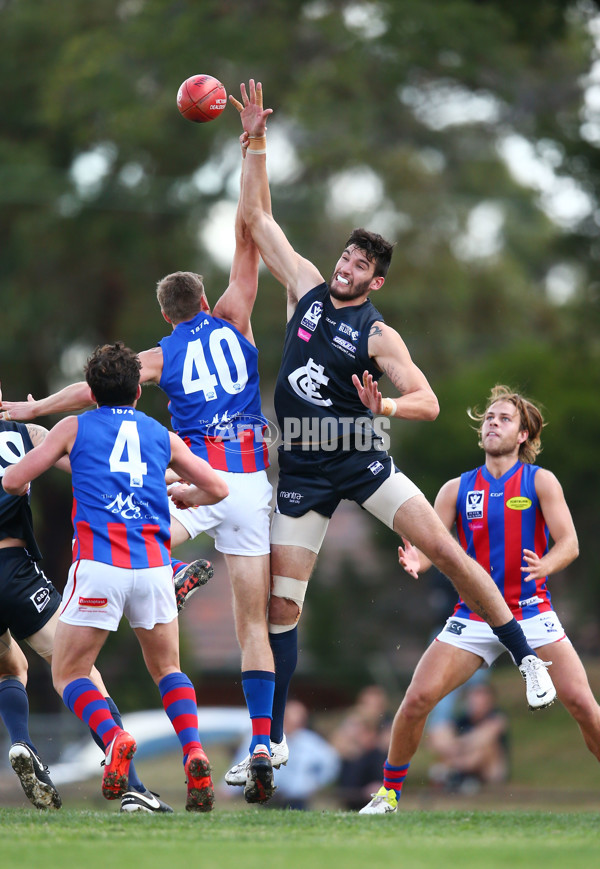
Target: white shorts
{"x":239,"y":523}
{"x":478,"y":638}
{"x":98,"y":595}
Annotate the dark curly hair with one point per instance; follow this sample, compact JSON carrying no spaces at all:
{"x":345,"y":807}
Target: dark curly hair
{"x":377,"y":249}
{"x":113,"y":374}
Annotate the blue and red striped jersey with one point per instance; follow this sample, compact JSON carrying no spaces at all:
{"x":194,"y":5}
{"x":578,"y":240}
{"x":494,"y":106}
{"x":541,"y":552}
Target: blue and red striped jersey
{"x":495,"y":521}
{"x":120,"y":503}
{"x":210,"y":375}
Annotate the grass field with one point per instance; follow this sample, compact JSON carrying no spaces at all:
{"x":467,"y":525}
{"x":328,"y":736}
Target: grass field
{"x":547,"y":815}
{"x":280,"y":838}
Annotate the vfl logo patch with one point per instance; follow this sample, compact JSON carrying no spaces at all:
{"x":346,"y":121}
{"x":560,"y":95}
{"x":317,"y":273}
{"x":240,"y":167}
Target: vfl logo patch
{"x":518,"y":503}
{"x":311,"y":319}
{"x":95,"y":603}
{"x":455,"y":628}
{"x":40,"y":599}
{"x":474,"y":505}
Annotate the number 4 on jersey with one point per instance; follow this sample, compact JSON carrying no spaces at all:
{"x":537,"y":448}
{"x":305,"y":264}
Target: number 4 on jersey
{"x":126,"y":455}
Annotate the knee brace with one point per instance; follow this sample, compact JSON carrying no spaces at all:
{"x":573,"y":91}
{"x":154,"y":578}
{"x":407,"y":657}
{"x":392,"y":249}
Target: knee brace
{"x":289,"y":589}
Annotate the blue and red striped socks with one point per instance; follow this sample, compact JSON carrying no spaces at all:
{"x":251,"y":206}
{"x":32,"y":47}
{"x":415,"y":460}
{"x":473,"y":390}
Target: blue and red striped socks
{"x":393,"y":777}
{"x":179,"y":701}
{"x":83,"y":698}
{"x":259,"y":686}
{"x":177,"y":564}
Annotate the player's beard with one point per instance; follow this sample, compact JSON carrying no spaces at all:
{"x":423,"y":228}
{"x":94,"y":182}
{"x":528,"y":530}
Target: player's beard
{"x":349,"y":293}
{"x":498,"y":448}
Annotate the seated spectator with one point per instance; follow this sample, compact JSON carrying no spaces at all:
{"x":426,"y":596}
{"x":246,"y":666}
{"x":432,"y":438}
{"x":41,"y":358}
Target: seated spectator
{"x":474,"y":750}
{"x":313,"y":763}
{"x":358,"y":741}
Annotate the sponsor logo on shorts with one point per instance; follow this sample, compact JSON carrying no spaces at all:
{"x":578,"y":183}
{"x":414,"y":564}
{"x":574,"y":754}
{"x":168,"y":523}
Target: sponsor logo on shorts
{"x":474,"y":505}
{"x":95,"y":603}
{"x":311,"y":319}
{"x":295,"y":497}
{"x":531,"y":600}
{"x":518,"y":503}
{"x":550,"y":627}
{"x":455,"y":627}
{"x":375,"y":468}
{"x":302,"y":333}
{"x":40,"y":599}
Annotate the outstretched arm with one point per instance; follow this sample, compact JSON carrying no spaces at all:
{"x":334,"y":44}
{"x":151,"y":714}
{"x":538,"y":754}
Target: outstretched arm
{"x":297,"y":274}
{"x":76,"y":396}
{"x":237,"y":302}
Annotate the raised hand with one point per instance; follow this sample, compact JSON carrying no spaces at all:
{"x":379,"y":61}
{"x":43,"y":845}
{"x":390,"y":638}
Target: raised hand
{"x":252,"y":114}
{"x":368,"y":392}
{"x":409,"y":558}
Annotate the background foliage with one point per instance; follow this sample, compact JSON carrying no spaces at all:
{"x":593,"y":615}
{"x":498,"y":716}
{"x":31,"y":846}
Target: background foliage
{"x":396,"y":115}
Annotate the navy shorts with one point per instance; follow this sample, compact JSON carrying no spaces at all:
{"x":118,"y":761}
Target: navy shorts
{"x":27,"y":599}
{"x":318,"y":480}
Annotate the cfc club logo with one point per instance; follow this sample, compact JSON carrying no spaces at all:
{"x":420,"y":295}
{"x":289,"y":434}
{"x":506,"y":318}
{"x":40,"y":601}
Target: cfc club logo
{"x":307,"y":380}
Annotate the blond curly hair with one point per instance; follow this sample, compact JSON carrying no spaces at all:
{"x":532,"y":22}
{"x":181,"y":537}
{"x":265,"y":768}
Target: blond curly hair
{"x":530,"y":415}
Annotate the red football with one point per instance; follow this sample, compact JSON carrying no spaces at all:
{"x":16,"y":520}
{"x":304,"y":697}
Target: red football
{"x":201,"y":98}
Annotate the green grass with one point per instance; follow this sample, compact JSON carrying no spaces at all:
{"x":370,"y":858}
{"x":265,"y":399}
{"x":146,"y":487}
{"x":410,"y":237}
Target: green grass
{"x":279,"y":838}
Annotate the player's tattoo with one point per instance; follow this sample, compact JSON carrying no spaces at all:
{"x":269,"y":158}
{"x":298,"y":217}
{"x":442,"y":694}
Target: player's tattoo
{"x":37,"y":433}
{"x":395,"y":376}
{"x":375,"y":330}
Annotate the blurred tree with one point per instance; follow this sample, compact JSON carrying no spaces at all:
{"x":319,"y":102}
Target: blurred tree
{"x":467,"y":130}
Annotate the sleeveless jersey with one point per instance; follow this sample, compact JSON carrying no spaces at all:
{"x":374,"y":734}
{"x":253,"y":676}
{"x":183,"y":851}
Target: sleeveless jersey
{"x":120,"y":503}
{"x":495,"y":521}
{"x":324,"y":346}
{"x":210,"y":374}
{"x":15,"y":510}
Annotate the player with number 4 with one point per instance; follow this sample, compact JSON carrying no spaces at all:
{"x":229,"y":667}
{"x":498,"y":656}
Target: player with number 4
{"x":208,"y":367}
{"x":121,"y":559}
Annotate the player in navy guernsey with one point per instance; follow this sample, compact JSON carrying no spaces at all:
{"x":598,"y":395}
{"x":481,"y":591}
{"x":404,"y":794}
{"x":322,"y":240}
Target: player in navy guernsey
{"x":121,"y":559}
{"x":330,"y":410}
{"x":504,"y":512}
{"x":208,"y":368}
